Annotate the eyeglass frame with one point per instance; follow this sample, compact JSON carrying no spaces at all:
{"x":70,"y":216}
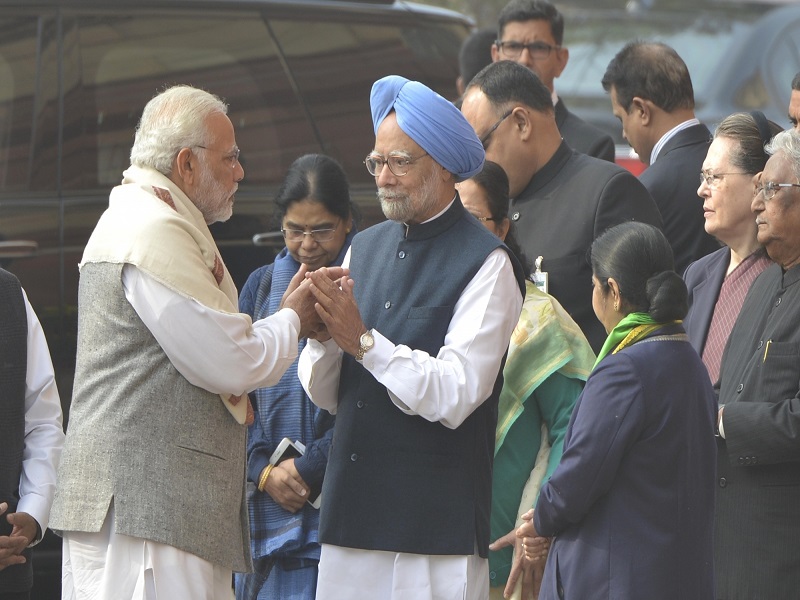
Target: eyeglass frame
{"x":485,"y":137}
{"x":232,"y":156}
{"x":535,"y":49}
{"x":770,"y":188}
{"x":384,"y":161}
{"x":710,"y":180}
{"x":313,"y":233}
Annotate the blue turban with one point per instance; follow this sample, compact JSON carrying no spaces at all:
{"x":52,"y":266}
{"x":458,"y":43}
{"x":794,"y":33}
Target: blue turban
{"x":431,"y":121}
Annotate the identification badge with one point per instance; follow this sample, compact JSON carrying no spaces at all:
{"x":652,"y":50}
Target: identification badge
{"x":539,"y":277}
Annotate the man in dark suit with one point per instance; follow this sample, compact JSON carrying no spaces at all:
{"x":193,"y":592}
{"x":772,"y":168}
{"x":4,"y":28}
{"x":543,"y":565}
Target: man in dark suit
{"x":758,"y":499}
{"x":651,"y":94}
{"x":561,"y":199}
{"x":531,"y":33}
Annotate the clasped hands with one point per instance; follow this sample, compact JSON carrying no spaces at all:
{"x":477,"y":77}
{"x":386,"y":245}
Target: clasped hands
{"x":324,"y":301}
{"x":24,"y":531}
{"x":530,"y":554}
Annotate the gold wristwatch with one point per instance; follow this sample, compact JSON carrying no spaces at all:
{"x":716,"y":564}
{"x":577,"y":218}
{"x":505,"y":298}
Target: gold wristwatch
{"x":365,"y":343}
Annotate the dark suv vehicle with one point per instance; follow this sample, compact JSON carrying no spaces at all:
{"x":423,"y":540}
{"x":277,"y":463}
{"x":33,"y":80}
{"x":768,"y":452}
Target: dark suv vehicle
{"x":76,"y":74}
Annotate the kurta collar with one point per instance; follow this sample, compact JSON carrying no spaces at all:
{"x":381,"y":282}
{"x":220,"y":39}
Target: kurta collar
{"x":433,"y":227}
{"x":791,"y":276}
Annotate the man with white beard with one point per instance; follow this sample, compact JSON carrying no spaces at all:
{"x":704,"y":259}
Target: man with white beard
{"x":413,"y":368}
{"x":151,"y":488}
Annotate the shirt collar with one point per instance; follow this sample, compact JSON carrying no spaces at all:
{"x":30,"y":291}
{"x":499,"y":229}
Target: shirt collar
{"x":669,"y":135}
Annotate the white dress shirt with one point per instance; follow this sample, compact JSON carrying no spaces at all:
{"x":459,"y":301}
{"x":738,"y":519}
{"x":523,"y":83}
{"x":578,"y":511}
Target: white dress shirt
{"x":669,"y":135}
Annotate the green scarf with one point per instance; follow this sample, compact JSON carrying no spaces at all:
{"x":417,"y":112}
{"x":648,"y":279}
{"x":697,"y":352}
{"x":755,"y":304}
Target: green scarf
{"x":630,"y":329}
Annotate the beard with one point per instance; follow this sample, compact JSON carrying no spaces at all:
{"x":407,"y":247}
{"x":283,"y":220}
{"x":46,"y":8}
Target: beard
{"x":212,"y":199}
{"x":404,"y":207}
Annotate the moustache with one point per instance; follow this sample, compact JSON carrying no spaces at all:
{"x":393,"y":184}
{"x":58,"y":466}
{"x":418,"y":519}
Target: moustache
{"x":384,"y":194}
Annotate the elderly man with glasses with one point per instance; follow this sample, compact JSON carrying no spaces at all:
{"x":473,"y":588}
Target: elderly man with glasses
{"x":561,"y":199}
{"x":413,"y":369}
{"x":531,"y":33}
{"x":151,"y":487}
{"x":758,"y":471}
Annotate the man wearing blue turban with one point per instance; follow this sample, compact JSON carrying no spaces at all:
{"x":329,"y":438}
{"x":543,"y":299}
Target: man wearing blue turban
{"x":411,"y":364}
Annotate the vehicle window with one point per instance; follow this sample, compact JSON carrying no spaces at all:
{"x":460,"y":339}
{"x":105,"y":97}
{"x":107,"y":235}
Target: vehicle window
{"x":330,"y":60}
{"x":28,"y":87}
{"x":124,"y":60}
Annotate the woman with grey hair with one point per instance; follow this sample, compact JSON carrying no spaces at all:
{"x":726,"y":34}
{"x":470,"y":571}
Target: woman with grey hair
{"x":718,"y":282}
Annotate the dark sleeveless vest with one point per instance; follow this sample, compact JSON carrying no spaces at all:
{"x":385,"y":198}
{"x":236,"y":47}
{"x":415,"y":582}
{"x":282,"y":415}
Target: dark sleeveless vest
{"x":13,"y":367}
{"x":398,"y":482}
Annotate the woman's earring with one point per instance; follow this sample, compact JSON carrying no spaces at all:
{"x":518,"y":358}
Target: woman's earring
{"x":616,"y":305}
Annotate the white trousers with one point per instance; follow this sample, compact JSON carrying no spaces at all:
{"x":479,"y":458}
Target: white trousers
{"x":106,"y":565}
{"x":350,"y":574}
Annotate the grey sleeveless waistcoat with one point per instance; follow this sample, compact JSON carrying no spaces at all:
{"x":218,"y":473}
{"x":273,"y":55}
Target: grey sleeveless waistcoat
{"x":166,"y":453}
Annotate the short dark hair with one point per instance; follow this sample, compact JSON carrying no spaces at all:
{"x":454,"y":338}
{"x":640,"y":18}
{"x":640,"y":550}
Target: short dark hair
{"x":475,"y":53}
{"x":519,"y":11}
{"x":748,"y":155}
{"x":320,"y":178}
{"x":650,"y":70}
{"x":639,"y":258}
{"x":506,"y":82}
{"x":494,"y":181}
{"x":796,"y":82}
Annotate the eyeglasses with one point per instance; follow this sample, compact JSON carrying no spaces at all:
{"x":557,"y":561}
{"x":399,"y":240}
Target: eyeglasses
{"x":771,"y":188}
{"x":232,"y":157}
{"x":537,"y":50}
{"x":488,"y":134}
{"x":398,"y":163}
{"x":318,"y":235}
{"x":711,"y":179}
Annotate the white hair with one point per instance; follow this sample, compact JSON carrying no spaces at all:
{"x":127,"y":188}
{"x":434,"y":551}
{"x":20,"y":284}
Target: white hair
{"x":173,"y":119}
{"x":788,"y":142}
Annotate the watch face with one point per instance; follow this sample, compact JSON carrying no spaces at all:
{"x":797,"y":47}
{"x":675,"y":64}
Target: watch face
{"x":367,"y":340}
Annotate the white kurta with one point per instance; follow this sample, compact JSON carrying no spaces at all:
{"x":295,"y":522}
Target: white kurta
{"x":219,"y":352}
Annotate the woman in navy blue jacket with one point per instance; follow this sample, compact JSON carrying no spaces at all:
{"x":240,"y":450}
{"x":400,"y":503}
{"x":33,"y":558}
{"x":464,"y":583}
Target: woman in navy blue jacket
{"x":630,"y":506}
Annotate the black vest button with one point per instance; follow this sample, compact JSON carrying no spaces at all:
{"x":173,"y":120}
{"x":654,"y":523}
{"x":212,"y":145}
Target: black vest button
{"x":723,"y":482}
{"x":401,"y":254}
{"x":354,"y":457}
{"x":388,"y":304}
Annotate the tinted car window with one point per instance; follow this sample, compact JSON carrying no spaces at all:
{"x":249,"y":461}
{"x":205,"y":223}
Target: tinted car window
{"x":73,"y":82}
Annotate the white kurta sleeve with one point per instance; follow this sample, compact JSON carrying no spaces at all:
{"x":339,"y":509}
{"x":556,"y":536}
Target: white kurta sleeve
{"x":44,"y":436}
{"x":448,"y":387}
{"x":219,"y":352}
{"x":318,"y":370}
